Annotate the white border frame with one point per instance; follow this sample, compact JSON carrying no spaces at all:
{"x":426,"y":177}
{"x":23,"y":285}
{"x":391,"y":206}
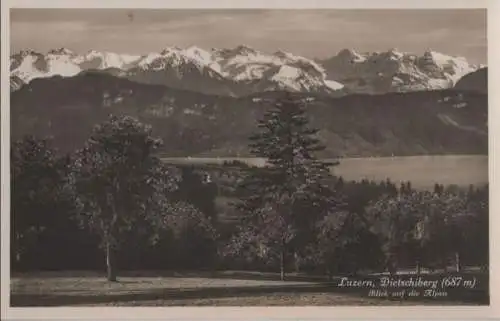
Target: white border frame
{"x":232,"y":313}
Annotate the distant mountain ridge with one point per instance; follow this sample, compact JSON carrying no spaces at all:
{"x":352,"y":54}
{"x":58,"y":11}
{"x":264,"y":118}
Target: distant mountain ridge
{"x":475,"y":81}
{"x":243,"y":70}
{"x":195,"y":124}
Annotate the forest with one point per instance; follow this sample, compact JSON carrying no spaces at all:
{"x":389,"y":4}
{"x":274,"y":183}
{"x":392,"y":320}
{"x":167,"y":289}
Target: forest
{"x":113,"y":205}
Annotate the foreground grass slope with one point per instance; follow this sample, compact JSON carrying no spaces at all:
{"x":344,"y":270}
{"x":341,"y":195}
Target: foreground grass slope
{"x":208,"y":289}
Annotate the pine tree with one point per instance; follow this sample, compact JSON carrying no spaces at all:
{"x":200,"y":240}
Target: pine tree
{"x":286,"y":198}
{"x":402,"y":189}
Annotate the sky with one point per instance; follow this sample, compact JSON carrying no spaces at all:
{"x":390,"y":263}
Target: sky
{"x":312,"y":33}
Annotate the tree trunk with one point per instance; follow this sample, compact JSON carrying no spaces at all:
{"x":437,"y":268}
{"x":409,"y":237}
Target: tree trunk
{"x":110,"y":263}
{"x":282,"y":265}
{"x":418,"y":267}
{"x":457,"y":262}
{"x":296,"y":262}
{"x":391,"y":266}
{"x":329,"y":274}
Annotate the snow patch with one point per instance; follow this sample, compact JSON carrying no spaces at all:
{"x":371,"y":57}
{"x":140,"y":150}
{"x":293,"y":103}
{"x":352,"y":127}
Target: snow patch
{"x":333,"y":85}
{"x":198,"y":54}
{"x":286,"y":77}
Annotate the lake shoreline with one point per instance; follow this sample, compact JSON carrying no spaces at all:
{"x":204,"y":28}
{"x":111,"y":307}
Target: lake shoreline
{"x":422,"y":171}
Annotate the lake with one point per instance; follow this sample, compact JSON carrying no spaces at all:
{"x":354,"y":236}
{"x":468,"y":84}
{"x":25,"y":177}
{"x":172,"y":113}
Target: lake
{"x":422,"y":171}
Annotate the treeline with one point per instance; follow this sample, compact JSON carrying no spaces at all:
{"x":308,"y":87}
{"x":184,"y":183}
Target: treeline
{"x":114,"y":205}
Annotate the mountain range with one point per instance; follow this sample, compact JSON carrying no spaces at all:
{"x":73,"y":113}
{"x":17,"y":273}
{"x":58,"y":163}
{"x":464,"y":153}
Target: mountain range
{"x":243,"y":71}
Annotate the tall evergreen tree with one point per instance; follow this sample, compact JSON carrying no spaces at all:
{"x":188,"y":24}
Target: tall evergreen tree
{"x":284,"y":200}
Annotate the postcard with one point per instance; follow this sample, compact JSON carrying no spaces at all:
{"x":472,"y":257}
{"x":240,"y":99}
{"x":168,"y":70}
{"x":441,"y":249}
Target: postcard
{"x":180,"y":159}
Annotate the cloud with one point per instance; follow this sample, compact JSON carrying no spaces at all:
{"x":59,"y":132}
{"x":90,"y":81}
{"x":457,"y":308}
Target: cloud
{"x":27,"y":28}
{"x":36,"y":36}
{"x":316,"y":33}
{"x":431,"y":35}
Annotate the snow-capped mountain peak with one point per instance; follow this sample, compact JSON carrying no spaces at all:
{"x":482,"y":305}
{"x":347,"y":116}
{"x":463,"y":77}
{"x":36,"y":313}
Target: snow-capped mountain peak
{"x":283,"y":54}
{"x":394,"y":54}
{"x":103,"y":60}
{"x":147,"y":59}
{"x":28,"y":52}
{"x":93,"y":53}
{"x":176,"y":57}
{"x":244,"y":49}
{"x":241,"y":50}
{"x":350,"y":55}
{"x":61,"y":51}
{"x":393,"y":70}
{"x":36,"y":65}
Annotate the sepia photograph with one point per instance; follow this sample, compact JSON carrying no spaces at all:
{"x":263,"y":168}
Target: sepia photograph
{"x":248,"y":157}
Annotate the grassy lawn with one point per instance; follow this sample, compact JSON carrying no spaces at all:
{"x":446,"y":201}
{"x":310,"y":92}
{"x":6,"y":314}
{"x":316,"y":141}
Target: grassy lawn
{"x":171,"y":289}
